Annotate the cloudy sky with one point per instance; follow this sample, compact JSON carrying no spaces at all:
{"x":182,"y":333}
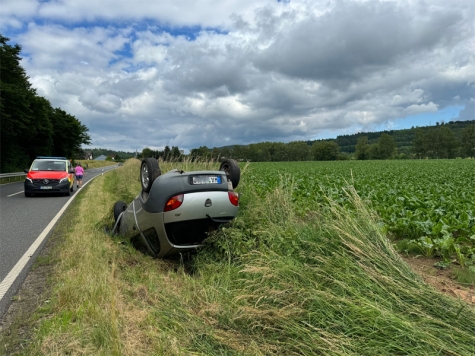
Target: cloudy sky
{"x":190,"y":73}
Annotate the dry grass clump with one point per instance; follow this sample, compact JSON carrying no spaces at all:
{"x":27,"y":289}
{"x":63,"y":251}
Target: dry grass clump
{"x":194,"y":164}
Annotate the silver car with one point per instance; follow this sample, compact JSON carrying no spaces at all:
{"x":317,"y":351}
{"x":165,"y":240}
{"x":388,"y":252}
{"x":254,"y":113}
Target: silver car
{"x":176,"y":211}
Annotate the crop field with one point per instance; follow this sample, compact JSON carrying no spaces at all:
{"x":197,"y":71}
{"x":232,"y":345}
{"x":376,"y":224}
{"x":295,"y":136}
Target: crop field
{"x":428,"y":204}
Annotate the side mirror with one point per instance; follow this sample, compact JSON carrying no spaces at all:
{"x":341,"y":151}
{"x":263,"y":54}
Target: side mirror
{"x":72,"y":171}
{"x":25,"y":171}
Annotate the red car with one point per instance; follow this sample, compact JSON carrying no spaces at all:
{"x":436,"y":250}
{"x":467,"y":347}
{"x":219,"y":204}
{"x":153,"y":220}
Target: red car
{"x":49,"y":175}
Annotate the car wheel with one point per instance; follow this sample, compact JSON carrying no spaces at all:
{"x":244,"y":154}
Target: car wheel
{"x":149,"y":171}
{"x":231,"y":167}
{"x":119,"y":207}
{"x":27,"y":194}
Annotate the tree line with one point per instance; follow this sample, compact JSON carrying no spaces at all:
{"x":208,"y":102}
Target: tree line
{"x":436,"y":142}
{"x":167,"y":154}
{"x":118,"y":155}
{"x":431,"y":142}
{"x":404,"y":138}
{"x":29,"y":125}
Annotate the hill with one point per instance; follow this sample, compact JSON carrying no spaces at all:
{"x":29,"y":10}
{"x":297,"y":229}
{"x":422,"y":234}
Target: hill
{"x":96,"y":152}
{"x":403,"y":138}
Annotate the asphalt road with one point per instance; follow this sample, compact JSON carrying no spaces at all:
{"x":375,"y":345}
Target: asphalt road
{"x":22,"y":220}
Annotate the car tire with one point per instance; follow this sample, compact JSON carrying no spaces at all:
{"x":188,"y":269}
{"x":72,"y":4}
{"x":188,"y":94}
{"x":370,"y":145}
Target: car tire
{"x":231,"y":167}
{"x":149,"y":171}
{"x":27,"y":194}
{"x":119,"y":207}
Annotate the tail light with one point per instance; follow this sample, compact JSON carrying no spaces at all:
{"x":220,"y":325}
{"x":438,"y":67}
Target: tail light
{"x":174,"y":202}
{"x":233,"y":198}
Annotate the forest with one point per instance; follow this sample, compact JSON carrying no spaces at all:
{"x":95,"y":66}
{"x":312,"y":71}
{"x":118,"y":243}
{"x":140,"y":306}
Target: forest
{"x":29,"y":125}
{"x":405,"y":138}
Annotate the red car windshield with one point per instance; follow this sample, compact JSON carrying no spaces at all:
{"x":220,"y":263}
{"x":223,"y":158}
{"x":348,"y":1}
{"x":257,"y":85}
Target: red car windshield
{"x":49,"y":166}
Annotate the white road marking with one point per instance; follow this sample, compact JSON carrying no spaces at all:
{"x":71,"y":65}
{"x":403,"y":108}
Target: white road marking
{"x":14,"y":194}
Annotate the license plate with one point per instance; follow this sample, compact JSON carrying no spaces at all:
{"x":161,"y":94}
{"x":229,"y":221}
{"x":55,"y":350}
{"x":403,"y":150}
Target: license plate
{"x":46,"y":187}
{"x":207,"y":180}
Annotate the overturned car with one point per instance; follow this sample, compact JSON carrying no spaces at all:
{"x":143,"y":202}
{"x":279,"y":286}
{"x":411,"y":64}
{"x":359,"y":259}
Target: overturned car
{"x":176,"y":211}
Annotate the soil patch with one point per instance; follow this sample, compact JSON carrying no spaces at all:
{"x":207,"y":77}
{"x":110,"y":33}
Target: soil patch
{"x":441,"y":279}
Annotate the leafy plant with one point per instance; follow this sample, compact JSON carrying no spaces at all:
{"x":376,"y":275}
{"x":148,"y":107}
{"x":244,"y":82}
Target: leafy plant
{"x":414,"y":199}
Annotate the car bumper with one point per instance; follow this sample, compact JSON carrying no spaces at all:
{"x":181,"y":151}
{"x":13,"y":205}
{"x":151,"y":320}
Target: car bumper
{"x":60,"y":188}
{"x":153,"y":233}
{"x":180,"y":230}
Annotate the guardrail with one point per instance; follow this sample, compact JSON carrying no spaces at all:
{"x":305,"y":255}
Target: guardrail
{"x":8,"y":176}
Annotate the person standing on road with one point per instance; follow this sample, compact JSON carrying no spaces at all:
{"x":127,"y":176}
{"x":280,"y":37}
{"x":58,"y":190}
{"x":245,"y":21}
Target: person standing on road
{"x":79,"y":174}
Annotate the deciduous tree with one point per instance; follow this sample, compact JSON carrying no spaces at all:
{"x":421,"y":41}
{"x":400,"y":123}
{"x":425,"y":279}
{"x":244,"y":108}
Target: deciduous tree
{"x":325,"y":151}
{"x":299,"y":151}
{"x":387,"y":146}
{"x":362,"y":148}
{"x":440,"y":142}
{"x":418,"y":145}
{"x":468,"y":141}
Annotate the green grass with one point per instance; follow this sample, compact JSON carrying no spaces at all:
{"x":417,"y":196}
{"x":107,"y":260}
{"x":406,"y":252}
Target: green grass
{"x":465,"y":276}
{"x":280,"y":280}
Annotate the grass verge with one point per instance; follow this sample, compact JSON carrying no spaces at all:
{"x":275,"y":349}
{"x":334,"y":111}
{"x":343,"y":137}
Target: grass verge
{"x":273,"y":282}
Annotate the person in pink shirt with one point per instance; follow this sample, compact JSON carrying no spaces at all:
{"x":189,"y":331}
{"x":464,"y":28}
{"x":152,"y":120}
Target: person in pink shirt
{"x":79,"y":174}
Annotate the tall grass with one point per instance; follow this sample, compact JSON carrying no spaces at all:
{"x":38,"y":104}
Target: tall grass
{"x":332,"y":284}
{"x":188,"y":164}
{"x":273,"y":282}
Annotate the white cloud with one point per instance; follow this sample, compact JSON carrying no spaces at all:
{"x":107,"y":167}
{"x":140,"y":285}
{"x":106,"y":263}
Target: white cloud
{"x":13,"y":11}
{"x":414,"y":96}
{"x":420,"y":109}
{"x":148,"y":53}
{"x":94,"y":101}
{"x":193,"y":73}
